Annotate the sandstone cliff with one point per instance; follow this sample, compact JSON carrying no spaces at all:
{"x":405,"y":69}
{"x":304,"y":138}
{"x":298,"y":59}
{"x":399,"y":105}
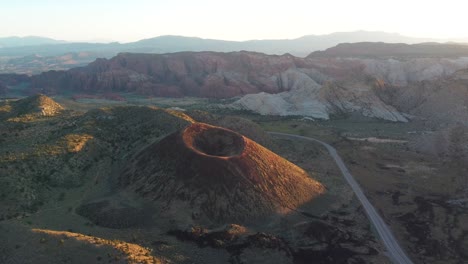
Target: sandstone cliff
{"x":203,"y":74}
{"x":319,"y":86}
{"x":442,"y":102}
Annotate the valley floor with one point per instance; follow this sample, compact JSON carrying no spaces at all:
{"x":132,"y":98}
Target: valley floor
{"x":411,"y":190}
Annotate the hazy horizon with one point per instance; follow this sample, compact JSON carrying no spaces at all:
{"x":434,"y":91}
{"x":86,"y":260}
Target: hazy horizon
{"x":305,"y":35}
{"x":127,"y":21}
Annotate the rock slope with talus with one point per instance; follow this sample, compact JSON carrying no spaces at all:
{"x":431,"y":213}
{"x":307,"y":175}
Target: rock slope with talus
{"x":211,"y":173}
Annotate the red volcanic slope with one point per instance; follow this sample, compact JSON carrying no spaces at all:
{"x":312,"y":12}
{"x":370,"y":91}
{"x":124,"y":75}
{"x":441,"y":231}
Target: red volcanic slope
{"x":218,"y":175}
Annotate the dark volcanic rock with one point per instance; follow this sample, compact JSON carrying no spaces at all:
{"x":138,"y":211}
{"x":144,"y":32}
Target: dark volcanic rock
{"x":236,"y":240}
{"x":433,"y":213}
{"x":332,"y":243}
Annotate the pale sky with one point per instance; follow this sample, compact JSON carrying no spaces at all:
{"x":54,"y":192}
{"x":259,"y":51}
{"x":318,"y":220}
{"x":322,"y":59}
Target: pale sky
{"x":131,"y":20}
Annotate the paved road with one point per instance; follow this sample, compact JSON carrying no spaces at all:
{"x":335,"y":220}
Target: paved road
{"x":395,"y":252}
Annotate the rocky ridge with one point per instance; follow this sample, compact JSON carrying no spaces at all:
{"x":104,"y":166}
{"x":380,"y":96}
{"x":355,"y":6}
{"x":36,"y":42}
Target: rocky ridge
{"x":359,"y":85}
{"x":439,"y":102}
{"x":321,"y":102}
{"x":393,"y":50}
{"x":199,"y":74}
{"x":322,"y":85}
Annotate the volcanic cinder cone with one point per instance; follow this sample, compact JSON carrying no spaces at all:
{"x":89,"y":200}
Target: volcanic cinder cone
{"x":217,"y":174}
{"x":39,"y":104}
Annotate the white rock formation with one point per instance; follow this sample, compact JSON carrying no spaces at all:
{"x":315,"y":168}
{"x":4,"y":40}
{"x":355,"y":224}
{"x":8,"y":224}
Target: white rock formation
{"x":308,"y":98}
{"x":403,"y":72}
{"x":313,"y":94}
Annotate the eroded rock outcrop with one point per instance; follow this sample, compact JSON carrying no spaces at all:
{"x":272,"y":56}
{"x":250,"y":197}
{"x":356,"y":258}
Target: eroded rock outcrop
{"x":202,"y":74}
{"x":322,"y":101}
{"x":338,"y":81}
{"x":441,"y":102}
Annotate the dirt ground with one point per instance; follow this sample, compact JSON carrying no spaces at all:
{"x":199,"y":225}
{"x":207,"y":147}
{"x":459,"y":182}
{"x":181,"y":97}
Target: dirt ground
{"x":411,"y":190}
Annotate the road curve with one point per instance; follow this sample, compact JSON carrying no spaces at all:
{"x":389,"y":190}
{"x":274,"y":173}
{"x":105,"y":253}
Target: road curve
{"x":395,"y":252}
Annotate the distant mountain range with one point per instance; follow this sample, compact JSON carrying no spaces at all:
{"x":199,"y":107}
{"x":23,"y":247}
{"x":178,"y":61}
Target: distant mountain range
{"x":14,"y":41}
{"x":33,"y":55}
{"x":15,"y":46}
{"x":394,"y":50}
